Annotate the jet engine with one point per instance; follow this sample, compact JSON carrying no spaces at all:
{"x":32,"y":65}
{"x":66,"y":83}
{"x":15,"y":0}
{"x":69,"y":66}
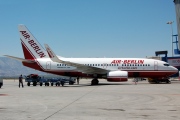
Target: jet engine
{"x":117,"y":76}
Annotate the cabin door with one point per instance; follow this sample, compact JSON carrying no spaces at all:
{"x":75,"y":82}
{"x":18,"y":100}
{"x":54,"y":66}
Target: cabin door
{"x":155,"y":65}
{"x":104,"y":65}
{"x":48,"y":65}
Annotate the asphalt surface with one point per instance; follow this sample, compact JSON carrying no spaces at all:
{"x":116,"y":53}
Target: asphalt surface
{"x":107,"y":101}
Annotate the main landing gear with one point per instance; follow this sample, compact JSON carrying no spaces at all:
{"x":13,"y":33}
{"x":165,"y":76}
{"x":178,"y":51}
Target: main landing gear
{"x":95,"y":81}
{"x":157,"y":81}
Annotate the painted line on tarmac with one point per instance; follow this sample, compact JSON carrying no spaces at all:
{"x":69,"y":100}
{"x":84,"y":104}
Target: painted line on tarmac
{"x":71,"y":103}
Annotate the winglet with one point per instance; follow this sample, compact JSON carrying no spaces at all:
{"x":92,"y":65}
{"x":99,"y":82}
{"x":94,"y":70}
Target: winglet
{"x":51,"y":54}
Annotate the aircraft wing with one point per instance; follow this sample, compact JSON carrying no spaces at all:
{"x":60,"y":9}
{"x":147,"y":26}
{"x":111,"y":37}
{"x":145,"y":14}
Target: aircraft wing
{"x":20,"y":59}
{"x":80,"y":67}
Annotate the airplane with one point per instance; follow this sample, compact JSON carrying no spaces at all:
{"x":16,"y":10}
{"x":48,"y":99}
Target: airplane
{"x":112,"y":69}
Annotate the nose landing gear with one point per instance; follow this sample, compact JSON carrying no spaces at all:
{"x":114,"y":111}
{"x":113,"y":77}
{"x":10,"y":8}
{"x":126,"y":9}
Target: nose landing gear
{"x":95,"y":81}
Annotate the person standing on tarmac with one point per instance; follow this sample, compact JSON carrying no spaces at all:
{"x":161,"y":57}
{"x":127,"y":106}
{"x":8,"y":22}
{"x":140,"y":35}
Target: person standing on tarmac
{"x":20,"y":81}
{"x":78,"y":80}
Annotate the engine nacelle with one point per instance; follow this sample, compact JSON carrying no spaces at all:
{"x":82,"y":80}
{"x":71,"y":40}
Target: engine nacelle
{"x":117,"y":76}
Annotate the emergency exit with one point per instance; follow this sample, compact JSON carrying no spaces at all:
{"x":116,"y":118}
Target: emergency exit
{"x":48,"y":65}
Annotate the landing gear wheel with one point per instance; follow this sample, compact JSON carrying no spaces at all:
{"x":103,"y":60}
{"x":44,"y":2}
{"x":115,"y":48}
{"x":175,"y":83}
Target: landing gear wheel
{"x":95,"y":82}
{"x":40,"y":84}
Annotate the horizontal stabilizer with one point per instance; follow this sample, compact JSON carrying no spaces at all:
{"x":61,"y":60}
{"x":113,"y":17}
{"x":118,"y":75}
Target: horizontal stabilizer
{"x":20,"y":59}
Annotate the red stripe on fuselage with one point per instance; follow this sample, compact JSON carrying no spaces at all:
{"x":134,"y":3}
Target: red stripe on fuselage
{"x":149,"y":74}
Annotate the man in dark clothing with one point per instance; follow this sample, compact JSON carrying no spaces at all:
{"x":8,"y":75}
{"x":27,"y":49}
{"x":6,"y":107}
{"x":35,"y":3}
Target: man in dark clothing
{"x":20,"y":81}
{"x":78,"y":80}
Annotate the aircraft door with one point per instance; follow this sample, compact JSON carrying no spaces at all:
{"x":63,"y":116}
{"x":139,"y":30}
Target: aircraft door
{"x":48,"y":65}
{"x":104,"y":65}
{"x":155,"y":65}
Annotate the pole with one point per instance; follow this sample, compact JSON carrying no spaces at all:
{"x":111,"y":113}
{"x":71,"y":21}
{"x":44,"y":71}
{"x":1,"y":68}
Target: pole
{"x":172,"y":39}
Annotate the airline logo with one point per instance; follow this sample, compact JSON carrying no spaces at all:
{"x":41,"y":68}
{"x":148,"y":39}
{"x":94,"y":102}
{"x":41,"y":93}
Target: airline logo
{"x":127,"y":62}
{"x":33,"y":44}
{"x":49,"y":53}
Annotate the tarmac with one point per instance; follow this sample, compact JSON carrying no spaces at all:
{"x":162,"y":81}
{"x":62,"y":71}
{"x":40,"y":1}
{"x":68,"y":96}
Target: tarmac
{"x":106,"y":101}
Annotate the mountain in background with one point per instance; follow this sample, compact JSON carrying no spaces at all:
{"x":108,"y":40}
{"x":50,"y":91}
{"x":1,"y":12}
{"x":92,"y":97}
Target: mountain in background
{"x":11,"y":67}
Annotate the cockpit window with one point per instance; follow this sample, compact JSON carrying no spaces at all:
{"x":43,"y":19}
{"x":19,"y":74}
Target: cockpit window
{"x":166,"y":64}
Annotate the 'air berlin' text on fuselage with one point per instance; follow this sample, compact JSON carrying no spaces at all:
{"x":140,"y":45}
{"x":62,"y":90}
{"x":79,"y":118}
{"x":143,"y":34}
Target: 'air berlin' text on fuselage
{"x":33,"y":44}
{"x":127,"y":62}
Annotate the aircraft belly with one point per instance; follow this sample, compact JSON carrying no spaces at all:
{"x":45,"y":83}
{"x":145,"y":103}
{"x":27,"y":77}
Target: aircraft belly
{"x":151,"y":74}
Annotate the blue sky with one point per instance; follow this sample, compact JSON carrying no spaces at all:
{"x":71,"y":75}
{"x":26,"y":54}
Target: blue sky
{"x":90,"y":28}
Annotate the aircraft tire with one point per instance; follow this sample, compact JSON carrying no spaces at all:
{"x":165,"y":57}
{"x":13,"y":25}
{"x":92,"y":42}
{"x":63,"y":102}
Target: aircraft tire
{"x":95,"y":82}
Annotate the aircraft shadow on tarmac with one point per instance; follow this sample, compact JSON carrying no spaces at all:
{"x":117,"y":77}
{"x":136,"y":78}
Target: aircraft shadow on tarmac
{"x":100,"y":84}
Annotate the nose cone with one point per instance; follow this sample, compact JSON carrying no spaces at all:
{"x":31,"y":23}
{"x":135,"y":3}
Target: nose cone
{"x":174,"y":69}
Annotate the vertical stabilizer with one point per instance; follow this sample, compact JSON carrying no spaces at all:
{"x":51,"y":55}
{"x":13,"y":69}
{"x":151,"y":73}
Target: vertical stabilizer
{"x":31,"y":47}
